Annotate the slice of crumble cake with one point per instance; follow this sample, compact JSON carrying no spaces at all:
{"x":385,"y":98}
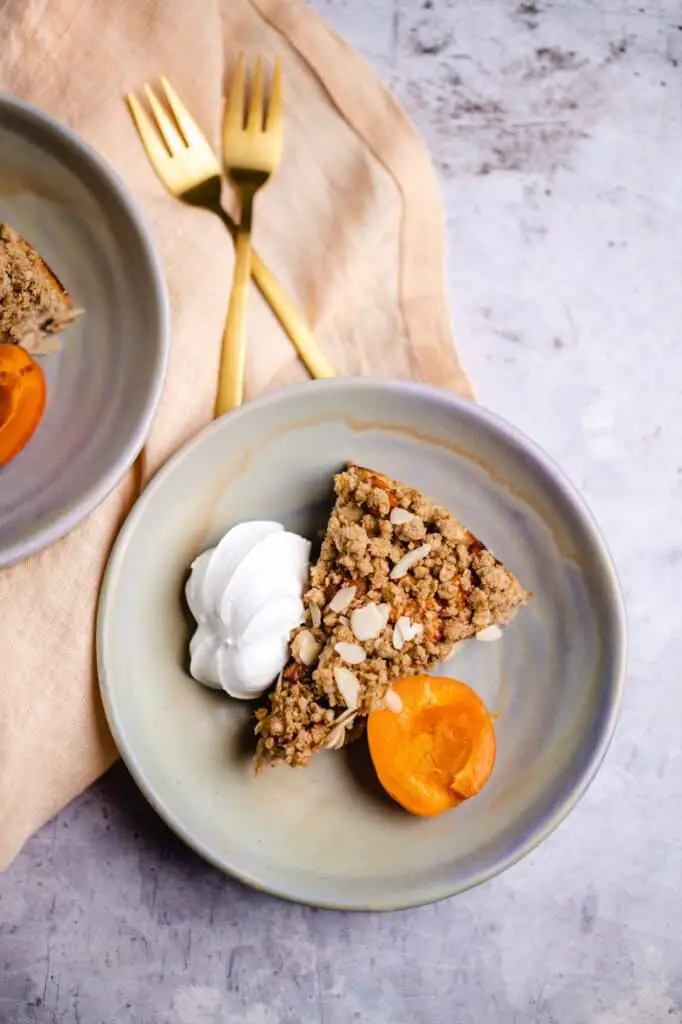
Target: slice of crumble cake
{"x":34,"y":305}
{"x":398,"y":583}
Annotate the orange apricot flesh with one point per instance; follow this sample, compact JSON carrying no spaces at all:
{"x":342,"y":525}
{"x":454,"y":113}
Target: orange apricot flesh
{"x":437,"y":750}
{"x":22,"y":399}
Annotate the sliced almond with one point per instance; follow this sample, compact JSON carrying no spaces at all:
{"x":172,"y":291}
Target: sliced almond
{"x":392,"y":701}
{"x":489,"y":634}
{"x":398,"y":640}
{"x":353,"y":654}
{"x":402,"y":567}
{"x":348,"y":686}
{"x":337,"y":735}
{"x":367,"y":622}
{"x":342,"y":599}
{"x":404,"y":631}
{"x":335,"y":739}
{"x":412,"y":631}
{"x":305,"y":648}
{"x":315,"y":616}
{"x":400,"y":516}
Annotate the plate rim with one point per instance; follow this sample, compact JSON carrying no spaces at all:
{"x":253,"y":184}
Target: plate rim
{"x":614,"y":672}
{"x":58,"y":526}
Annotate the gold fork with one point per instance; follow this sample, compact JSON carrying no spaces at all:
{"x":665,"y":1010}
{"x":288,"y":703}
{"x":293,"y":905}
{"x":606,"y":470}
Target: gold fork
{"x":252,"y":151}
{"x":186,"y":164}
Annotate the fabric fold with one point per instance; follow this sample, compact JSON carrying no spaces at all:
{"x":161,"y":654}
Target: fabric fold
{"x":352,"y":226}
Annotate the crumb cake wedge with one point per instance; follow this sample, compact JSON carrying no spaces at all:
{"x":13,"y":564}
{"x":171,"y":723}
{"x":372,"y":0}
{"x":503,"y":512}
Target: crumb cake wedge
{"x":399,"y":581}
{"x":34,"y":305}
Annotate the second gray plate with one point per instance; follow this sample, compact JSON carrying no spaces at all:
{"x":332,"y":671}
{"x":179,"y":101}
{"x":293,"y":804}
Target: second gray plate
{"x":104,"y":386}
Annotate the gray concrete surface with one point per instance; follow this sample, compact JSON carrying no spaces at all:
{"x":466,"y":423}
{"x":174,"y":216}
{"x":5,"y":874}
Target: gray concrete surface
{"x":557,"y":131}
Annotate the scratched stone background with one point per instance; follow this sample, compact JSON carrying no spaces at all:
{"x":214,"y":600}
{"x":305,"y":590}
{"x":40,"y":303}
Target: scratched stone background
{"x":556,"y":128}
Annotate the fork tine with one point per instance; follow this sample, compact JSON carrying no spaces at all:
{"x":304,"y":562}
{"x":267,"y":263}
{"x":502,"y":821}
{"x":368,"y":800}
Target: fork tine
{"x":171,"y":135}
{"x":188,"y":126}
{"x":156,"y":151}
{"x":273,"y":119}
{"x":234,"y":105}
{"x":254,"y":121}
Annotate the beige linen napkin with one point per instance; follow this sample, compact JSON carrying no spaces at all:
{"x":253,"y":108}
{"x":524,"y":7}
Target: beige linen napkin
{"x":352,"y":226}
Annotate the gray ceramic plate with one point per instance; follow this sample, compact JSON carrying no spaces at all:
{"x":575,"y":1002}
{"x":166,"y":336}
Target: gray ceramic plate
{"x":104,"y":386}
{"x":326,"y":834}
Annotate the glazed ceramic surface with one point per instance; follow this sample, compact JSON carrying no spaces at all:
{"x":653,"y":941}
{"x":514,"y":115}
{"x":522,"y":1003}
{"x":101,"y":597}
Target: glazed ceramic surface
{"x":327,"y":834}
{"x":104,"y":385}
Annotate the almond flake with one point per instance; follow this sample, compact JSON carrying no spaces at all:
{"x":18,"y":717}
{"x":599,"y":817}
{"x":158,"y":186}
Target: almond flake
{"x":404,"y":631}
{"x":392,"y":701}
{"x":348,"y":686}
{"x":342,"y":599}
{"x":400,"y":516}
{"x":305,"y":648}
{"x":367,"y":622}
{"x":351,"y":653}
{"x":336,"y":737}
{"x":402,"y":567}
{"x":315,"y":616}
{"x":489,"y":633}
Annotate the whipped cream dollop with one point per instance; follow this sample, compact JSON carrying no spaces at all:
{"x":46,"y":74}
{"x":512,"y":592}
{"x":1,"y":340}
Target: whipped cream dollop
{"x":246,"y":595}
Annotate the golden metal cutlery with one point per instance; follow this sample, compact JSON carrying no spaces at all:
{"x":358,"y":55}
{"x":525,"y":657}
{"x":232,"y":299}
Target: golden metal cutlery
{"x":253,"y":132}
{"x":189,"y":168}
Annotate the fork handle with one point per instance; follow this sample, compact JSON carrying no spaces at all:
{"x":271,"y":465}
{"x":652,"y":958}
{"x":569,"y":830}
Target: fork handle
{"x":232,"y":356}
{"x":292,"y":320}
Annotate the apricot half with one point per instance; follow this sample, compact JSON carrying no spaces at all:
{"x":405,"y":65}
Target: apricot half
{"x":22,"y":399}
{"x":437,"y":750}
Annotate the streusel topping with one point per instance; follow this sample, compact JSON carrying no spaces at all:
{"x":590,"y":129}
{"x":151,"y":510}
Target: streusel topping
{"x":411,"y":581}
